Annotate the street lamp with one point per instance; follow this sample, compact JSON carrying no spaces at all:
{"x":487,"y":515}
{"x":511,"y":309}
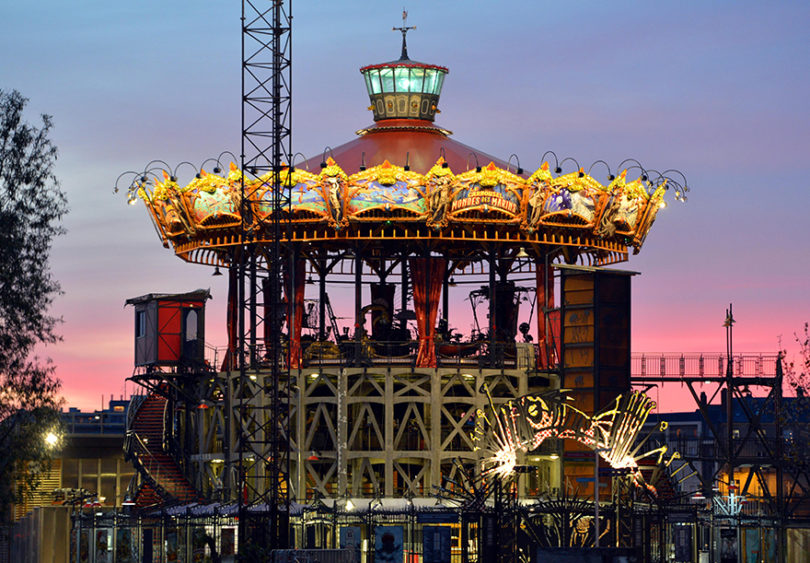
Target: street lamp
{"x":51,"y":439}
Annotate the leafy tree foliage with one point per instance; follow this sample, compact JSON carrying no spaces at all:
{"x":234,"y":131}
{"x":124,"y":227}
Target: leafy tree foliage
{"x":31,"y":208}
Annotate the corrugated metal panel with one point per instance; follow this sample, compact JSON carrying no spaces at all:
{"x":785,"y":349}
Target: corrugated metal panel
{"x":42,"y":495}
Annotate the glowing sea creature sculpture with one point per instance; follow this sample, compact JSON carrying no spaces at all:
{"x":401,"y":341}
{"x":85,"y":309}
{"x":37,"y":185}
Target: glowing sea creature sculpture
{"x":522,"y":425}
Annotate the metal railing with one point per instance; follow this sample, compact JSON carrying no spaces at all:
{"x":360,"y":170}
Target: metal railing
{"x":149,"y":466}
{"x":93,"y":423}
{"x":135,"y":403}
{"x":372,"y":352}
{"x":702,"y":365}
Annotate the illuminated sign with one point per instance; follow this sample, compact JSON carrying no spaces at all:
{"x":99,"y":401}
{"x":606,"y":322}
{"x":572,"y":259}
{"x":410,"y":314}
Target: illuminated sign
{"x":488,"y":199}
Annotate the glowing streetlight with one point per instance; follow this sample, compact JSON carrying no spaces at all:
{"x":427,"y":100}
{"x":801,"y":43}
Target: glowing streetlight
{"x":51,"y":439}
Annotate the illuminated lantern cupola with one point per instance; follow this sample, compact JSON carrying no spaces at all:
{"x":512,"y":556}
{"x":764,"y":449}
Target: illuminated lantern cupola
{"x":404,"y":89}
{"x":404,"y":98}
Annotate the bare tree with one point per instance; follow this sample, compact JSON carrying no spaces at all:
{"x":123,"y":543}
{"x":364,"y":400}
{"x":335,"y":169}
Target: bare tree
{"x":796,"y":423}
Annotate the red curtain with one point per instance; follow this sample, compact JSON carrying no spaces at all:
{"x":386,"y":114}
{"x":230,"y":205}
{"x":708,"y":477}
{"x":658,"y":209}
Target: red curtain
{"x":427,"y":275}
{"x":545,"y":301}
{"x":229,"y":362}
{"x":296,"y":304}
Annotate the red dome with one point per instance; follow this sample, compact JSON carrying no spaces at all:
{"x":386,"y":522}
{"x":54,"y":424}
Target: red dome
{"x":419,"y":143}
{"x":404,"y":105}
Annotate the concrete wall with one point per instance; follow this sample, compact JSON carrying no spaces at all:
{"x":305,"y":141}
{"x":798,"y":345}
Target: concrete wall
{"x":43,"y":535}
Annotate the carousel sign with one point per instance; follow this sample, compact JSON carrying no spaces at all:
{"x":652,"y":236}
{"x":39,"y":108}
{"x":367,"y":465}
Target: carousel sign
{"x":483,"y":200}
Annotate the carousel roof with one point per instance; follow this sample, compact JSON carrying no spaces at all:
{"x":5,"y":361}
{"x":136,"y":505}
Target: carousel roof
{"x":403,"y":180}
{"x":404,"y":97}
{"x":404,"y":63}
{"x":412,"y":142}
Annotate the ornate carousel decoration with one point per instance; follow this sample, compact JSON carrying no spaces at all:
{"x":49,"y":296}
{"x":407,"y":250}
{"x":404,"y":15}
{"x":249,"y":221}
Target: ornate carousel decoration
{"x":405,"y":178}
{"x":572,"y":209}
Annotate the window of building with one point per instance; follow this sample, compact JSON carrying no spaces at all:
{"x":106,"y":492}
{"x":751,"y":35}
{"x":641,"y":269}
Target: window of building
{"x":191,"y":325}
{"x":140,"y":324}
{"x":70,"y":473}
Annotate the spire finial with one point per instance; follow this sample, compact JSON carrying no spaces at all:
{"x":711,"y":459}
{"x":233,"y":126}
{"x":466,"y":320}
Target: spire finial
{"x":404,"y":29}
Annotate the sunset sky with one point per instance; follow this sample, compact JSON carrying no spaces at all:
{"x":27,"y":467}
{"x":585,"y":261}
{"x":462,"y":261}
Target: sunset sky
{"x":718,"y":90}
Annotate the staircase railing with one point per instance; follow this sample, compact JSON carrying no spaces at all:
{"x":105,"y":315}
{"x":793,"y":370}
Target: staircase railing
{"x":145,"y":462}
{"x":137,"y":449}
{"x":135,"y":403}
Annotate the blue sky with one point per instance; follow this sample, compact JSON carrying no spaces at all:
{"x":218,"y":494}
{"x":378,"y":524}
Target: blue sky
{"x":718,"y":90}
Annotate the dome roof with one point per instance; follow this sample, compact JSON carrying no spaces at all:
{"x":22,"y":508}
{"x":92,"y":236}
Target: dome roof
{"x":412,"y":142}
{"x":404,"y":97}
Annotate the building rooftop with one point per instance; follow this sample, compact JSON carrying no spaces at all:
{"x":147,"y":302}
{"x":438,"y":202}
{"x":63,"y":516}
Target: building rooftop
{"x":111,"y":420}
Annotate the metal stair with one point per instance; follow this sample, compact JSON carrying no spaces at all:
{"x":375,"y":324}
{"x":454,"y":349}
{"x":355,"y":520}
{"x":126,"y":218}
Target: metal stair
{"x":163,"y":481}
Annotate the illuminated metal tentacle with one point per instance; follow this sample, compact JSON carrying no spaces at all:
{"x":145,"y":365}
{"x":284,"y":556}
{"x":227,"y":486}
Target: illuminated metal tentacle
{"x":660,"y":428}
{"x":522,"y":425}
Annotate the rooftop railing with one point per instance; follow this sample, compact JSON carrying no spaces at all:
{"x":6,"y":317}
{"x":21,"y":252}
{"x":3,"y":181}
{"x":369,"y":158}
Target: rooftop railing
{"x":94,"y":423}
{"x":702,"y":365}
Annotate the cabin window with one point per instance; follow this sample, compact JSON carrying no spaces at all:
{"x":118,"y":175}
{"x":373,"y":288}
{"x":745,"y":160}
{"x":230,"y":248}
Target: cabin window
{"x":140,"y":324}
{"x":191,"y":325}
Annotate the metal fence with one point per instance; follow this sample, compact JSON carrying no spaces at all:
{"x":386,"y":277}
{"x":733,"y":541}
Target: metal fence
{"x":702,"y":365}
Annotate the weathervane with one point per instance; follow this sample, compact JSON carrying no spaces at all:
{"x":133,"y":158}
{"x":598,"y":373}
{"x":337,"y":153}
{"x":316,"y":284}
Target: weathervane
{"x":404,"y":29}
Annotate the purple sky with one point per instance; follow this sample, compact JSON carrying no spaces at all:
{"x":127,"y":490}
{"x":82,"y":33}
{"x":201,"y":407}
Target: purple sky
{"x":719,"y":91}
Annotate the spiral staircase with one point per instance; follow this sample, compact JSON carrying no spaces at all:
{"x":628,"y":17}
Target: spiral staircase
{"x":162,"y":479}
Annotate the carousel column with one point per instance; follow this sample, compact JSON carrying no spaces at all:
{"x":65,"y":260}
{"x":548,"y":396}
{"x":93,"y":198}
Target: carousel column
{"x":342,"y":434}
{"x":229,"y":375}
{"x":322,"y":302}
{"x":294,"y":287}
{"x":300,"y":437}
{"x":493,"y":306}
{"x":446,"y":297}
{"x":433,"y":421}
{"x":445,"y":322}
{"x":388,"y":414}
{"x":202,"y":469}
{"x":427,"y":273}
{"x":404,"y":275}
{"x":358,"y":307}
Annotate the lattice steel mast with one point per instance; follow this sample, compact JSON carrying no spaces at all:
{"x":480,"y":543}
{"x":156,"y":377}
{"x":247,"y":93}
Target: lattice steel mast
{"x":260,"y":397}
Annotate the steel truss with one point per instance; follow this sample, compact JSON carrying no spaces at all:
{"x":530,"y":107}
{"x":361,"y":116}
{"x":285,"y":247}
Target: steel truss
{"x":783,"y":498}
{"x":259,"y":396}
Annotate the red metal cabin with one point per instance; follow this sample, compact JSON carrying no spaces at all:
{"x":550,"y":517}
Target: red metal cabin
{"x":170,"y":328}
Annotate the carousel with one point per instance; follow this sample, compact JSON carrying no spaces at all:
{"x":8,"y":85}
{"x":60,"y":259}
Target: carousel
{"x":419,"y":281}
{"x":405,"y":209}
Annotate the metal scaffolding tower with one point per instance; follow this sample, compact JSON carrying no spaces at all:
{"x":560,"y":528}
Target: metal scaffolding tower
{"x":747,"y":442}
{"x":259,"y":395}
